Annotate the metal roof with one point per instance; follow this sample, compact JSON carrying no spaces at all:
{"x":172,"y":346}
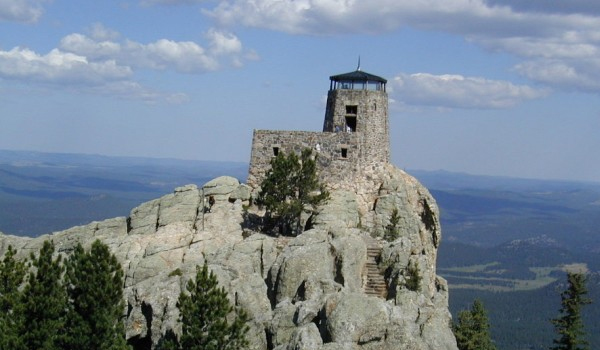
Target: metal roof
{"x":357,"y":75}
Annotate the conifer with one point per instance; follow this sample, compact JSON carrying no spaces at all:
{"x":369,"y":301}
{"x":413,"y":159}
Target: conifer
{"x":94,"y":282}
{"x":472,"y":331}
{"x":290,"y":187}
{"x":12,"y":274}
{"x":569,"y":324}
{"x":43,"y":302}
{"x":203,"y":312}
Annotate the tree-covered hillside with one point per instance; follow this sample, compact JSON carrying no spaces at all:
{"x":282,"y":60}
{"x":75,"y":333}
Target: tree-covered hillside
{"x":520,"y":320}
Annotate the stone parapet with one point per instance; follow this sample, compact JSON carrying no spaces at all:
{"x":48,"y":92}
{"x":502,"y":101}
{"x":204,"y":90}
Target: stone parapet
{"x":337,"y":153}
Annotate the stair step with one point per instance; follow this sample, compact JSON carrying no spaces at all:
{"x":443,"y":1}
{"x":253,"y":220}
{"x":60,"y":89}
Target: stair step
{"x":375,"y":282}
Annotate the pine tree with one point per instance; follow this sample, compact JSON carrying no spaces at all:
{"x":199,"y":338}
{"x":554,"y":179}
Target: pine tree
{"x":472,"y":331}
{"x":569,"y":324}
{"x":203,"y":312}
{"x":413,"y":277}
{"x":12,"y":273}
{"x":290,"y":187}
{"x":94,"y":283}
{"x":43,"y":303}
{"x":392,"y":231}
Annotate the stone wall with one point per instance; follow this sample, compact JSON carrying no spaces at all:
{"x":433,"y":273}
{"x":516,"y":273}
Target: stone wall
{"x":337,"y":153}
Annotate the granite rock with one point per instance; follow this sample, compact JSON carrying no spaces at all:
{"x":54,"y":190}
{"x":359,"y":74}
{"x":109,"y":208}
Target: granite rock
{"x":304,"y":292}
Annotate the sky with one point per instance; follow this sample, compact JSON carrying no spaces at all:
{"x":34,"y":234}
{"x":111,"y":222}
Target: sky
{"x":490,"y":87}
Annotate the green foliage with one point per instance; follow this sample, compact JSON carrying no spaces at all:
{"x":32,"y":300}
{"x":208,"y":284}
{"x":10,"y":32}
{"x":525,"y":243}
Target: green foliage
{"x":290,"y":187}
{"x":43,"y":302}
{"x":176,"y":272}
{"x":168,"y":341}
{"x":12,"y":273}
{"x":80,"y":309}
{"x":94,"y":283}
{"x":472,"y":331}
{"x":569,"y":324}
{"x":203,"y":312}
{"x":391,"y":230}
{"x":413,"y":278}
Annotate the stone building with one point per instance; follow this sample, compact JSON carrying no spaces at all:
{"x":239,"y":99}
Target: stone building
{"x":355,"y":134}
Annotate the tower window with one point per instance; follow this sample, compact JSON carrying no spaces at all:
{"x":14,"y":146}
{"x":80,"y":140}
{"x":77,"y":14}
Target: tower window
{"x":352,"y":110}
{"x":350,"y":124}
{"x":275,"y":151}
{"x":344,"y":152}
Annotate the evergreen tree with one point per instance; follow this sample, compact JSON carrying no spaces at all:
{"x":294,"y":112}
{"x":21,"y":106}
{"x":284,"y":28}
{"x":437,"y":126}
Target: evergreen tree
{"x":392,"y":231}
{"x":12,"y":273}
{"x":203,"y":312}
{"x":290,"y":187}
{"x":413,"y":278}
{"x":472,"y":331}
{"x":43,"y":303}
{"x":569,"y":325}
{"x":94,"y":283}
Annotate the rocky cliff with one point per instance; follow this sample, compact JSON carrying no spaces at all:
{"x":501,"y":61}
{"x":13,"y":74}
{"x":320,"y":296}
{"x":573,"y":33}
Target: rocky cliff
{"x":338,"y":285}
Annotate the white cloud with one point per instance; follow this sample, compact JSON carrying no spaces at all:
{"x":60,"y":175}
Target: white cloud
{"x":223,"y":43}
{"x":163,"y":54}
{"x":564,"y":74}
{"x":90,"y":48}
{"x":99,"y":32}
{"x":545,"y":6}
{"x":21,"y":10}
{"x":73,"y":72}
{"x":58,"y":67}
{"x":350,"y":16}
{"x":456,"y":91}
{"x":182,"y":56}
{"x":565,"y":31}
{"x":101,"y":64}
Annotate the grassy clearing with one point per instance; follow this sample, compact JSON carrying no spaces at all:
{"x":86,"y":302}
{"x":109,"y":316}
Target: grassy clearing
{"x":492,"y":283}
{"x":470,"y":269}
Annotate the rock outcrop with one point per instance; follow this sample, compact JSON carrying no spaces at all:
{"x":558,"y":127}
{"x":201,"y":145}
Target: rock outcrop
{"x":336,"y":286}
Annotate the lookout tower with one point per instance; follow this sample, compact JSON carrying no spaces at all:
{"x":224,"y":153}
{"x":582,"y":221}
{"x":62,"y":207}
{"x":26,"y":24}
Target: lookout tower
{"x":355,"y":136}
{"x":358,"y":103}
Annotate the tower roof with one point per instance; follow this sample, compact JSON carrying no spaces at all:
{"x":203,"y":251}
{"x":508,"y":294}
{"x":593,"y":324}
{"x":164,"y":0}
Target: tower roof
{"x":358,"y":75}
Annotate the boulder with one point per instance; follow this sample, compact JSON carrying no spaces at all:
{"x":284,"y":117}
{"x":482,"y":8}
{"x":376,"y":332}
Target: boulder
{"x":340,"y":210}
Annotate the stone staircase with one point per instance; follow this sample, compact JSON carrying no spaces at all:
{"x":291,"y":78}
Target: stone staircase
{"x":375,"y":282}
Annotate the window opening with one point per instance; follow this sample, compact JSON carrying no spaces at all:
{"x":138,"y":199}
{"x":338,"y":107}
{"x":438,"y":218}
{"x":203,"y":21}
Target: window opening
{"x":350,"y":124}
{"x":275,"y":151}
{"x":344,"y":153}
{"x":352,"y":110}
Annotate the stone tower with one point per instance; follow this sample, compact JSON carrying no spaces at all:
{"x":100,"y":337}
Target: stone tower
{"x":358,"y":103}
{"x":355,"y":134}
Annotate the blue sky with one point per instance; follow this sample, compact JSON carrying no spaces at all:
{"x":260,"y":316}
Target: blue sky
{"x":495,"y":87}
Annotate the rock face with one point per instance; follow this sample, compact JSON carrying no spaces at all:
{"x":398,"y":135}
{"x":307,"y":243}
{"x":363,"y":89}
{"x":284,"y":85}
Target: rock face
{"x":336,"y":286}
